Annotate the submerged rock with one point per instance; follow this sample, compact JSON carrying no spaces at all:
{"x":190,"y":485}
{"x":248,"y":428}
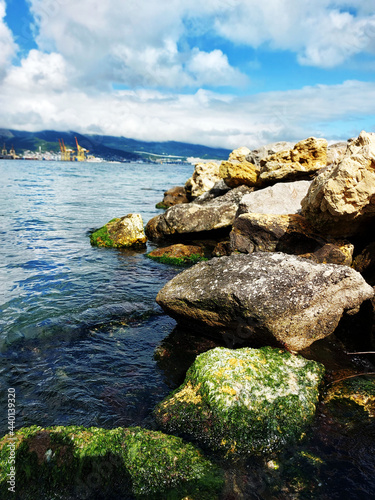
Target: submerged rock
{"x":341,"y":201}
{"x":353,"y":397}
{"x":306,"y":158}
{"x":75,"y":462}
{"x":265,"y":298}
{"x":197,"y":217}
{"x":244,"y":400}
{"x":173,"y":196}
{"x":119,"y":233}
{"x":178,"y":254}
{"x":204,"y":177}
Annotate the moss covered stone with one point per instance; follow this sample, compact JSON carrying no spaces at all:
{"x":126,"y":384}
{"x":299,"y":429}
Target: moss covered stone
{"x":120,"y":233}
{"x":244,"y":400}
{"x":75,"y":462}
{"x":178,"y":254}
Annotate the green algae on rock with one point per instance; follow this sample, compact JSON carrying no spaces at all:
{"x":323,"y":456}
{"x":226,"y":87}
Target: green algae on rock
{"x":75,"y":462}
{"x":244,"y":400}
{"x":123,"y":232}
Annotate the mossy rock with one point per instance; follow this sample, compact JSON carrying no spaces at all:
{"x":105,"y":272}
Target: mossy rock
{"x":75,"y":462}
{"x":245,"y":400}
{"x":178,"y":254}
{"x":123,"y":232}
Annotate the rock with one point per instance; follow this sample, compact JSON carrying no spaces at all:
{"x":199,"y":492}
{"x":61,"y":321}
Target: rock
{"x":75,"y":462}
{"x":178,"y":254}
{"x":335,"y":152}
{"x":340,"y":252}
{"x":306,"y":158}
{"x":282,"y":198}
{"x":119,"y":233}
{"x":291,"y":234}
{"x":354,"y":397}
{"x":217,"y":190}
{"x":239,"y":154}
{"x":341,"y":201}
{"x":173,"y":196}
{"x":257,"y":155}
{"x":264,"y":298}
{"x":196,"y":217}
{"x":237,"y":173}
{"x":203,"y":179}
{"x":244,"y":401}
{"x":364,"y":263}
{"x":222,"y":248}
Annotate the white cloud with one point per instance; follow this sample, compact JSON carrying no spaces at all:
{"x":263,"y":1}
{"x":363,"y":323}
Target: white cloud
{"x":204,"y":117}
{"x":7,"y":44}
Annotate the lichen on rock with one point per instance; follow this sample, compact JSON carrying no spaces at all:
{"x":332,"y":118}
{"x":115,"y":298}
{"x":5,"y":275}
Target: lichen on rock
{"x":244,"y":401}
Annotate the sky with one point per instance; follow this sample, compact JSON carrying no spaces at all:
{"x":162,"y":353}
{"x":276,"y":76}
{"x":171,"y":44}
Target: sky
{"x":223,"y":73}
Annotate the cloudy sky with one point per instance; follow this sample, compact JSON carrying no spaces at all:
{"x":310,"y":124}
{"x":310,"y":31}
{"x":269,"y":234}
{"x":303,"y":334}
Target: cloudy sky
{"x":216,"y":72}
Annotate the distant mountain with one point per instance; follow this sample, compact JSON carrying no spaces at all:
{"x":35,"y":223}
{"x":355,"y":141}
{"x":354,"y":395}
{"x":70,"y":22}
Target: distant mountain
{"x":107,"y":147}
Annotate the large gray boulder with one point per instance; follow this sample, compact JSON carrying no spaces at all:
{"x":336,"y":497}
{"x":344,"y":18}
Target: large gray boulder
{"x":282,"y":198}
{"x":265,"y":298}
{"x":197,"y":217}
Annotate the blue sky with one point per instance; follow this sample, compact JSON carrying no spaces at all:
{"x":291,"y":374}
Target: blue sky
{"x":221,"y":72}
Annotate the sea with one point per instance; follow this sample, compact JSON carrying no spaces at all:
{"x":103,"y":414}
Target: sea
{"x":82,"y":340}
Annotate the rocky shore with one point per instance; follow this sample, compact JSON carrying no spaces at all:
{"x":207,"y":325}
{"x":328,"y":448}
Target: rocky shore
{"x":284,"y":289}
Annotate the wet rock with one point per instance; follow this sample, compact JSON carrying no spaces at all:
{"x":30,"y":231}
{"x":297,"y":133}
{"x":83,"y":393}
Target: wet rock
{"x":265,"y":298}
{"x":291,"y":234}
{"x":204,"y":177}
{"x":173,"y":196}
{"x":305,"y":159}
{"x":354,"y":396}
{"x":75,"y":462}
{"x":178,"y":254}
{"x":119,"y":233}
{"x":197,"y":217}
{"x":244,"y":401}
{"x":341,"y":201}
{"x":282,"y":198}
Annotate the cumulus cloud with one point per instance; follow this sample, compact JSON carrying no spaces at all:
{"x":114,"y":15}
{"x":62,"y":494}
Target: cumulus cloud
{"x":7,"y":44}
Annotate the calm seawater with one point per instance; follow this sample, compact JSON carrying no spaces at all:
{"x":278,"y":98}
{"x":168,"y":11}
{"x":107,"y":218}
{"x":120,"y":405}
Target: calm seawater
{"x":78,"y":324}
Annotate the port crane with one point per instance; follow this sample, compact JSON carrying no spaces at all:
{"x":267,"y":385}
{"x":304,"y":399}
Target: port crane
{"x":81,"y":152}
